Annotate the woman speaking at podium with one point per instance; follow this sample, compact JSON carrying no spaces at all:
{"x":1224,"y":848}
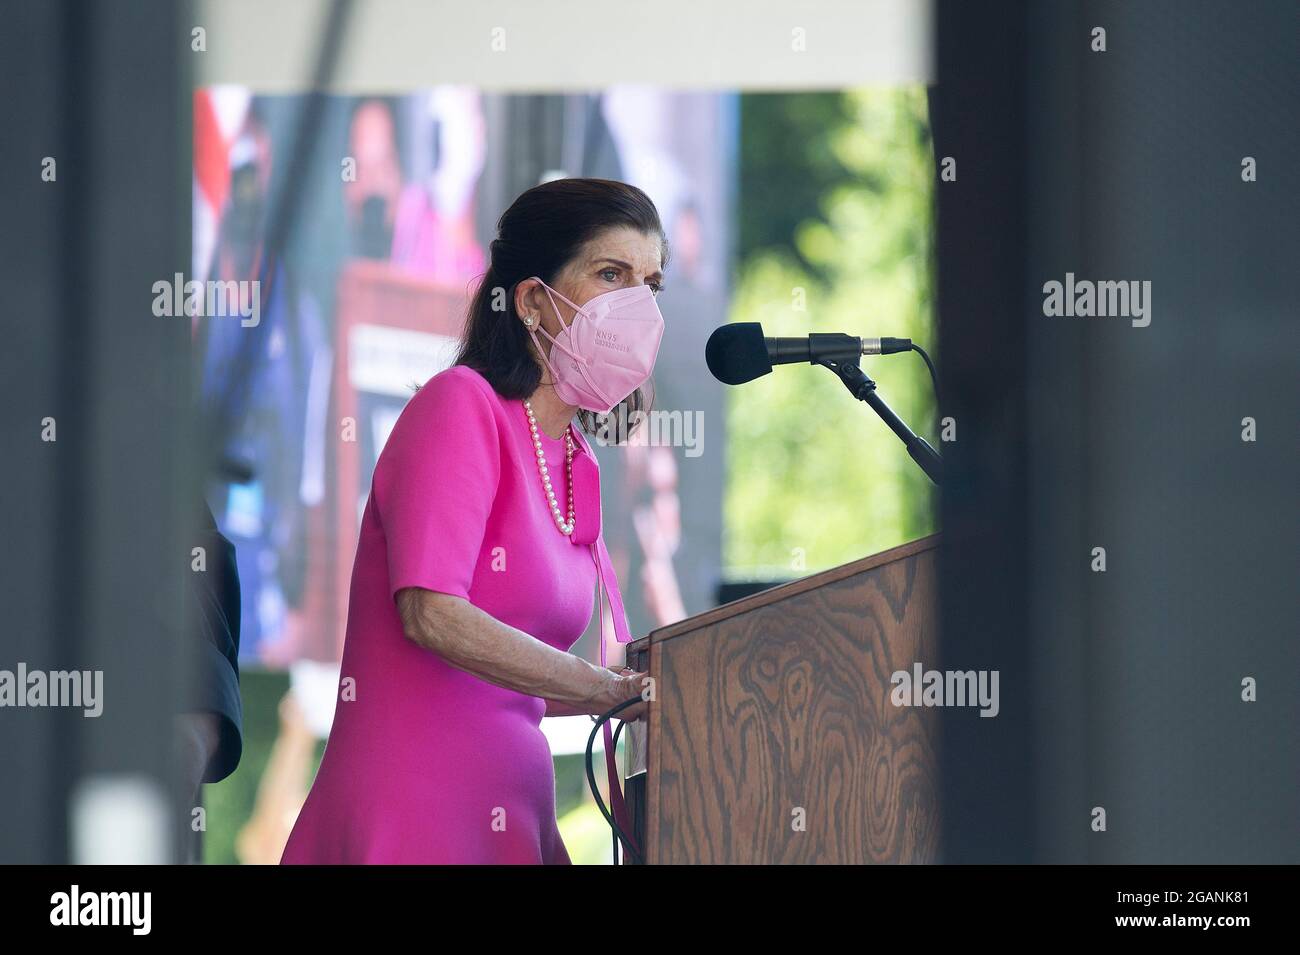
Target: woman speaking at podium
{"x":480,"y":551}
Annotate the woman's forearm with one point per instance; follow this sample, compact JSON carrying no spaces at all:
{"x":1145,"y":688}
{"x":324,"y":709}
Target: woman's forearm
{"x":476,"y":642}
{"x":556,"y":708}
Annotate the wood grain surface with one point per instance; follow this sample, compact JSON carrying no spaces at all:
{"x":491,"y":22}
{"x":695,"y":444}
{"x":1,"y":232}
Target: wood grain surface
{"x":776,"y":709}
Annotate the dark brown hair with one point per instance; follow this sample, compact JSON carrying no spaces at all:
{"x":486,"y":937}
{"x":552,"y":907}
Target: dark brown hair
{"x":541,"y":232}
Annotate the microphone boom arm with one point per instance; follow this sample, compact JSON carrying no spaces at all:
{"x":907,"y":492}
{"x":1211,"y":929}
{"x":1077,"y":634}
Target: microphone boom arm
{"x":864,"y":389}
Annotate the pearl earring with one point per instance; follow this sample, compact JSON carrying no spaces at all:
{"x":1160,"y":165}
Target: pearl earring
{"x":528,"y":320}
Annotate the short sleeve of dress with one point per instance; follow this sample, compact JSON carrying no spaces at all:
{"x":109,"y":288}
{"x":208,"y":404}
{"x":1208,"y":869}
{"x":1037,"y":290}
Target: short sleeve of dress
{"x":435,"y":483}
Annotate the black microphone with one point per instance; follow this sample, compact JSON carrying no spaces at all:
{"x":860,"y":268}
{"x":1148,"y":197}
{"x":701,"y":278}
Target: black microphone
{"x":738,"y":352}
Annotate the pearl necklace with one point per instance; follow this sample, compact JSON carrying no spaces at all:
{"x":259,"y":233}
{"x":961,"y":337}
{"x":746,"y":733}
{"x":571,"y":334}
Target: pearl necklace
{"x":565,"y":527}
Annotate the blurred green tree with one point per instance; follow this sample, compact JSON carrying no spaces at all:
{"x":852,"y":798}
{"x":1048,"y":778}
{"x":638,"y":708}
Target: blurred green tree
{"x":814,"y":478}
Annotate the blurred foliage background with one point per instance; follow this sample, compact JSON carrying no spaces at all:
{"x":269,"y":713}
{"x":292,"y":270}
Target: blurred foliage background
{"x":835,"y":235}
{"x":836,"y":223}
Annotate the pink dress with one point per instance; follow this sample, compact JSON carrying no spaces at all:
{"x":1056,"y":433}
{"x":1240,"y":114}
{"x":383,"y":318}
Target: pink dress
{"x":428,"y":764}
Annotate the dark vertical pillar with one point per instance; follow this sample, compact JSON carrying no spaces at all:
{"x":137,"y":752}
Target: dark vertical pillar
{"x":1122,"y":689}
{"x":978,"y":118}
{"x":95,"y":551}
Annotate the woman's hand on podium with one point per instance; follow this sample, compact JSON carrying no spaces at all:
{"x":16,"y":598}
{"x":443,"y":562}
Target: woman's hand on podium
{"x":625,"y":684}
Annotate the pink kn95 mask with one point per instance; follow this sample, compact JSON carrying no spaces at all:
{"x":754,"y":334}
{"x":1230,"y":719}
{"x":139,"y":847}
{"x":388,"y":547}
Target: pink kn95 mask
{"x":608,"y":351}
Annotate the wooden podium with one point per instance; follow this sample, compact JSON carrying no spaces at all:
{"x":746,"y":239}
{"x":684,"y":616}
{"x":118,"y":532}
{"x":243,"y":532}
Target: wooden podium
{"x":772,"y":738}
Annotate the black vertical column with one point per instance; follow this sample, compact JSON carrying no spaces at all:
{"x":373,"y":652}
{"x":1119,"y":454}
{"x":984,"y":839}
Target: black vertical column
{"x":1127,"y":729}
{"x":978,"y":118}
{"x":96,"y":550}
